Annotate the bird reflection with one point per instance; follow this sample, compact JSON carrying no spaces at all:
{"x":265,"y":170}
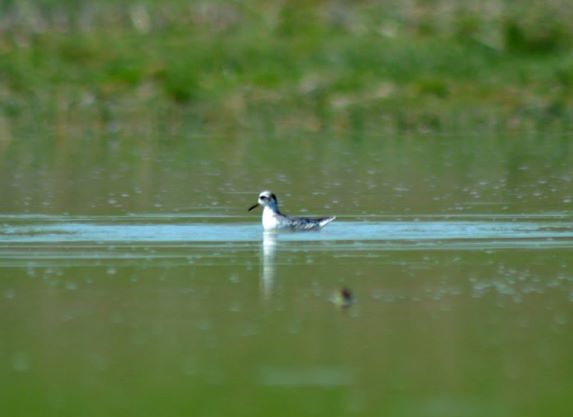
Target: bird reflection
{"x":268,"y":251}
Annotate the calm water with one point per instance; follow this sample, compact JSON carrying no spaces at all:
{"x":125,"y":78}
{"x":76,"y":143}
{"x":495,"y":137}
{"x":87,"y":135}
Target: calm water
{"x":133,"y":282}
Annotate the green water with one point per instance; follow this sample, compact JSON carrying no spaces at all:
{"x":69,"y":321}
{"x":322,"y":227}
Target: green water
{"x":133,"y":281}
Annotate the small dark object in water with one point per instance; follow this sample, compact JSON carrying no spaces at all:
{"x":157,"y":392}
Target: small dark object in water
{"x":343,"y":298}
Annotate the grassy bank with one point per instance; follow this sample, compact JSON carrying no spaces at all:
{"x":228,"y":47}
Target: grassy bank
{"x":279,"y":66}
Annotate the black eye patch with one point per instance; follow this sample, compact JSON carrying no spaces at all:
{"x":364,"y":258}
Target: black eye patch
{"x":263,"y":197}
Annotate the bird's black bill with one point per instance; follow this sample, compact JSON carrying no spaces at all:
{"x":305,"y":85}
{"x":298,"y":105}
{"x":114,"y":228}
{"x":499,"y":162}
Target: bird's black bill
{"x":254,"y":206}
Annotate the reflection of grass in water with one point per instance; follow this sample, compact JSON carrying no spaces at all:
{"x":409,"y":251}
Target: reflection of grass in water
{"x":282,"y":67}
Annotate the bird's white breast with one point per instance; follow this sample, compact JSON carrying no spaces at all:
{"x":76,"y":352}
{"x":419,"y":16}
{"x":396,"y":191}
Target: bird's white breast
{"x":270,"y":219}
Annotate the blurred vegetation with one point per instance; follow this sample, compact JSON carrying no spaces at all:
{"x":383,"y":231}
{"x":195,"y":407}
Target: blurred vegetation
{"x":285,"y":66}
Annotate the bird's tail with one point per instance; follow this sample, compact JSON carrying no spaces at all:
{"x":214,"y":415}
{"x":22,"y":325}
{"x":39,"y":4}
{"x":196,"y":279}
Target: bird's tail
{"x":326,"y":220}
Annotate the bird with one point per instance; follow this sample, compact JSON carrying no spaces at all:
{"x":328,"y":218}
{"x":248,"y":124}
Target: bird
{"x":273,"y":219}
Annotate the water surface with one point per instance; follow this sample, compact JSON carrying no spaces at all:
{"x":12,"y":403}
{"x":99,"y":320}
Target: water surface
{"x":133,"y":282}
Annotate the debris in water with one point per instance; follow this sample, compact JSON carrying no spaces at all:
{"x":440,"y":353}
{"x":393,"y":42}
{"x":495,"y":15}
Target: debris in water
{"x":343,"y":298}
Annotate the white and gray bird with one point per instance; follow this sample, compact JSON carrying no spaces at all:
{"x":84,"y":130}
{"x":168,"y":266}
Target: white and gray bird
{"x":273,"y":219}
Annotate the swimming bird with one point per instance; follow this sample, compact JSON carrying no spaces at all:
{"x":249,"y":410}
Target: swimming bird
{"x":273,"y":219}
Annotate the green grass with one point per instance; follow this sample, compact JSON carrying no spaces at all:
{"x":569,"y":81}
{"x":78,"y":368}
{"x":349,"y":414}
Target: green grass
{"x":279,"y":66}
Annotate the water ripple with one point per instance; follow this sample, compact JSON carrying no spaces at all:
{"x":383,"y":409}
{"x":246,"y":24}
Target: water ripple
{"x":120,"y":238}
{"x":115,"y":229}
